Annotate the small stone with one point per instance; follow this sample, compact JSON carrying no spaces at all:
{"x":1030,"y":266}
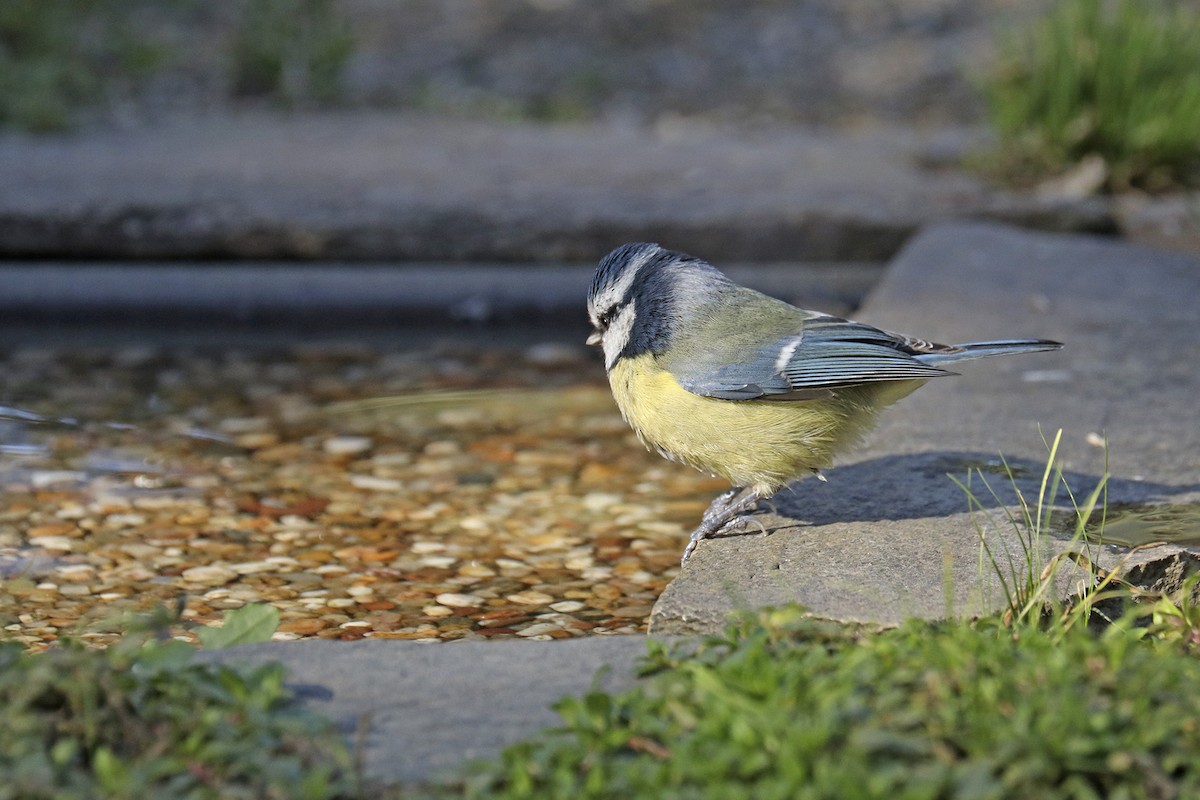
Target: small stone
{"x":632,"y":611}
{"x":377,"y":605}
{"x":538,"y":629}
{"x":52,"y":529}
{"x":606,"y":591}
{"x":253,"y":567}
{"x":543,"y":542}
{"x":124,"y":520}
{"x":530,"y":598}
{"x":209,"y":575}
{"x":567,"y":606}
{"x":437,"y":611}
{"x":599,"y":501}
{"x":304,"y":627}
{"x":375,"y":484}
{"x":257,"y":441}
{"x":56,"y":543}
{"x":596,"y":474}
{"x":347,"y":445}
{"x":75,"y":573}
{"x":442,"y":448}
{"x":455,"y":600}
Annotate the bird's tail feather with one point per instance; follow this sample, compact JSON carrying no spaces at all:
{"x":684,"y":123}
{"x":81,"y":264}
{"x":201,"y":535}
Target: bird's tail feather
{"x":1000,"y":347}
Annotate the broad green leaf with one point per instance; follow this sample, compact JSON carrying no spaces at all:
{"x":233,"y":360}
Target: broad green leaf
{"x":254,"y":622}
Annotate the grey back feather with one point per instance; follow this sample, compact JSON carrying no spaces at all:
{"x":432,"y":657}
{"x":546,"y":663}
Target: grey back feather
{"x":726,"y":341}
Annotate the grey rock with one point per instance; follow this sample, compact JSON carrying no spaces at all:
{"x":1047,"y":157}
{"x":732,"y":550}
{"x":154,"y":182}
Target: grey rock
{"x":389,"y":186}
{"x":890,"y":535}
{"x":422,"y":711}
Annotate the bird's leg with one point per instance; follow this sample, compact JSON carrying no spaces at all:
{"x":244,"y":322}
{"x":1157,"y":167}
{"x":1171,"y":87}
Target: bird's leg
{"x":724,"y":510}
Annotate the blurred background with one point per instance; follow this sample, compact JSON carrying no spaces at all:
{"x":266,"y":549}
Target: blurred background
{"x":633,"y":62}
{"x":545,"y":132}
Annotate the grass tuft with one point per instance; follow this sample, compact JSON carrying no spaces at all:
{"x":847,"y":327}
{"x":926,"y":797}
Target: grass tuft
{"x":294,"y":51}
{"x":1030,"y":578}
{"x":1113,"y":80}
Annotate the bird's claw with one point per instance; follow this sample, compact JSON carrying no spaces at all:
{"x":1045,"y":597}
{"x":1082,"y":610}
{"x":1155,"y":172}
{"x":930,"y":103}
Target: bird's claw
{"x":726,"y":510}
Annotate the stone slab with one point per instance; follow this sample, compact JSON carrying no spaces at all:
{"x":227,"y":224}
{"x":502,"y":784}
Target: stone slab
{"x":889,"y":536}
{"x":393,"y":186}
{"x":355,"y":291}
{"x":425,"y":710}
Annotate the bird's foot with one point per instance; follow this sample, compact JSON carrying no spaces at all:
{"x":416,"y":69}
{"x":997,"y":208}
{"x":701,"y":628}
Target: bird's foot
{"x":724,"y":511}
{"x":718,"y":506}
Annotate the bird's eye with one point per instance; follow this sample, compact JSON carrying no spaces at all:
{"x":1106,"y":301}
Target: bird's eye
{"x":605,"y":319}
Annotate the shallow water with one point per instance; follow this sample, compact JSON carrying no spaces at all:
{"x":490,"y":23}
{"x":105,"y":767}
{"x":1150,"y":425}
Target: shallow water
{"x":1134,"y":526}
{"x":509,"y":499}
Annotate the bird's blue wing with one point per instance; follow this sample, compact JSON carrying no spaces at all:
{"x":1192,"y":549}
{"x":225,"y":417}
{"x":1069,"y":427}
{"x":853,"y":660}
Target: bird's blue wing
{"x":825,"y":354}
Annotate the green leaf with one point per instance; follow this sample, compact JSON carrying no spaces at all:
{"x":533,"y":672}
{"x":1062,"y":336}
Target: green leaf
{"x":254,"y":622}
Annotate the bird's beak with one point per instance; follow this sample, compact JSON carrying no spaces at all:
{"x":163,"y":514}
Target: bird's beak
{"x":594,"y":338}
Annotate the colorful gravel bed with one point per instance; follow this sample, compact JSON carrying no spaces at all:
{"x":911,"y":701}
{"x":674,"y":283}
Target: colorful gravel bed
{"x":500,"y":495}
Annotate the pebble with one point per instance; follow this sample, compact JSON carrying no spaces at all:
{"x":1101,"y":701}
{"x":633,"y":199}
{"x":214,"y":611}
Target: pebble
{"x":56,"y":543}
{"x":539,"y":629}
{"x":530,"y":598}
{"x":600,"y":501}
{"x":375,"y":484}
{"x":347,"y":445}
{"x":303,"y":627}
{"x":568,"y":606}
{"x":530,"y":514}
{"x":253,"y":567}
{"x":455,"y":600}
{"x":209,"y":575}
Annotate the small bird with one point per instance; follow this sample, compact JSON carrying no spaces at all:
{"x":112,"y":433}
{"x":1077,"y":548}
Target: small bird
{"x":741,"y":385}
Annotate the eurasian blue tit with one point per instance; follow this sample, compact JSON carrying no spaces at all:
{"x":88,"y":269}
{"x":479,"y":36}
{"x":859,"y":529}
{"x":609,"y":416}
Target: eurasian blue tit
{"x":744,"y":386}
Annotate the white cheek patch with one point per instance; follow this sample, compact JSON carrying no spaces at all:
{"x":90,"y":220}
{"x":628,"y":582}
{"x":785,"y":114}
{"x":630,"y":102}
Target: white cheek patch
{"x":617,"y":335}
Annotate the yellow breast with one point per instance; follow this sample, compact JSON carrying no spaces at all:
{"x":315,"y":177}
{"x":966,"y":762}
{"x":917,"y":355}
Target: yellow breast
{"x":761,"y":443}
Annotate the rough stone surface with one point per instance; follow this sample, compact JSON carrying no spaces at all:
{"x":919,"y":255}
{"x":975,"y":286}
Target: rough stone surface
{"x":889,"y":536}
{"x":368,"y":185}
{"x":425,"y":709}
